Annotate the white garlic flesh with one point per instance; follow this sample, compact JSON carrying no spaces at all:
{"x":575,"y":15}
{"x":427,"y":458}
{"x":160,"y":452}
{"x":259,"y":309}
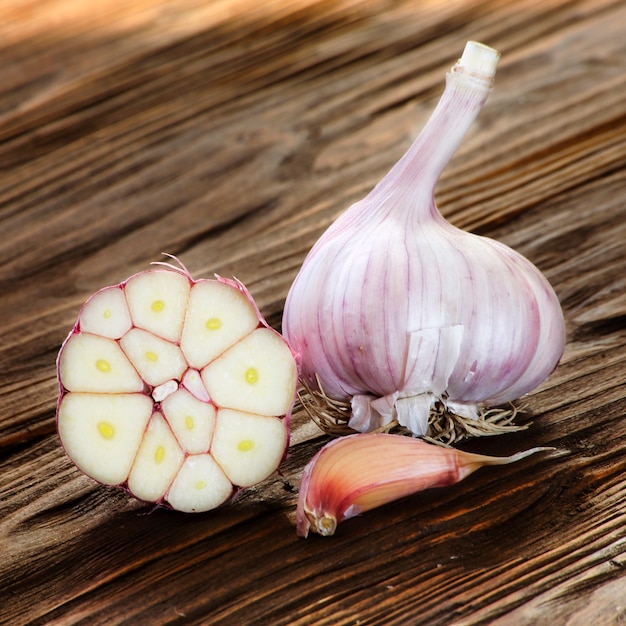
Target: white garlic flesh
{"x":175,"y":389}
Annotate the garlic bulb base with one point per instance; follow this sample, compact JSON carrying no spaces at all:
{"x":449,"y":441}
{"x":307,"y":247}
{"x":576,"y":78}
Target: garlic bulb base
{"x":445,"y":423}
{"x":325,"y":525}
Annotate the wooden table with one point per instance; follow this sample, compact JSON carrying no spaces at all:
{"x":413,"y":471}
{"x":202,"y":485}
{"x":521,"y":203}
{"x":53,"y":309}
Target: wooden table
{"x":231,"y":133}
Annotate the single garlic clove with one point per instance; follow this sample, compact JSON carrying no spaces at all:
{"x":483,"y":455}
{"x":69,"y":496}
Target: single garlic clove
{"x":157,"y":300}
{"x":191,"y":419}
{"x":101,"y":432}
{"x":133,"y":408}
{"x":218,"y":317}
{"x":357,"y":473}
{"x":157,"y":461}
{"x":192,"y":382}
{"x":247,"y":446}
{"x":97,"y":364}
{"x":256,"y":375}
{"x":106,"y":314}
{"x":156,"y":360}
{"x":200,"y":485}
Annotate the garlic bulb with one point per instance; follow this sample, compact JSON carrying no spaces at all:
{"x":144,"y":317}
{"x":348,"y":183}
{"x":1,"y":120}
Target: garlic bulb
{"x":357,"y":473}
{"x":396,"y":310}
{"x":175,"y":389}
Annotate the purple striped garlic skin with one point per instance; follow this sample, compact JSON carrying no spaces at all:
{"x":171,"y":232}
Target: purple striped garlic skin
{"x":396,"y":309}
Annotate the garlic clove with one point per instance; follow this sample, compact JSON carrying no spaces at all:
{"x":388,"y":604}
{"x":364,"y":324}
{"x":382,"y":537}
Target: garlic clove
{"x":257,"y":375}
{"x":157,"y":300}
{"x":218,"y":317}
{"x":192,"y":382}
{"x":191,"y":420}
{"x":200,"y":485}
{"x":155,"y":360}
{"x":357,"y":473}
{"x":106,"y":314}
{"x":101,"y":432}
{"x":134,"y":410}
{"x":97,"y":364}
{"x":247,"y":447}
{"x":157,"y":461}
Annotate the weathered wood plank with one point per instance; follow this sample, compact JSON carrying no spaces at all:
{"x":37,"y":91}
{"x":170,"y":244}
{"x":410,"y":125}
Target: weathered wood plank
{"x":231,"y":134}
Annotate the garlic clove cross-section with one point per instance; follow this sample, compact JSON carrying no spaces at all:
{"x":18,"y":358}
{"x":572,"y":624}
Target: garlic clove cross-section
{"x":102,"y":432}
{"x":175,"y":389}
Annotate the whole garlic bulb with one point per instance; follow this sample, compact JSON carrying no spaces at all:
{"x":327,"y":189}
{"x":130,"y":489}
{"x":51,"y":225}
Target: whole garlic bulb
{"x":395,"y":309}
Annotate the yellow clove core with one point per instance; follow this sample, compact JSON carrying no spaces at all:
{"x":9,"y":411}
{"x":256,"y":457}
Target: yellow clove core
{"x":214,"y":323}
{"x":106,"y":430}
{"x":252,"y":375}
{"x":159,"y":454}
{"x":103,"y":366}
{"x":245,"y":445}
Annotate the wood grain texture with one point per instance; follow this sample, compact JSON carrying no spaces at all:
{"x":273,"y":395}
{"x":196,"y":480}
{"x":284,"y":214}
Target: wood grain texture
{"x":231,"y":133}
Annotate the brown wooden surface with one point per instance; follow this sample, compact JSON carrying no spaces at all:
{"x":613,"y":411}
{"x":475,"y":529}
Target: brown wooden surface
{"x":231,"y":133}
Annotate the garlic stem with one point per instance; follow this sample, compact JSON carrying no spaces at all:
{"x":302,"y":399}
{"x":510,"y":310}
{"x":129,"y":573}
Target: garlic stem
{"x":468,"y":84}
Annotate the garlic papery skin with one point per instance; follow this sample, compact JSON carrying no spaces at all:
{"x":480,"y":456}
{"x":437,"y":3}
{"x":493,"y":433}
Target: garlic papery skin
{"x":357,"y":473}
{"x":175,"y":389}
{"x":395,"y":310}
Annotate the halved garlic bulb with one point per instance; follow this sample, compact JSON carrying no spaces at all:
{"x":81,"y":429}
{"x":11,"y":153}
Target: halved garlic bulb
{"x":175,"y":389}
